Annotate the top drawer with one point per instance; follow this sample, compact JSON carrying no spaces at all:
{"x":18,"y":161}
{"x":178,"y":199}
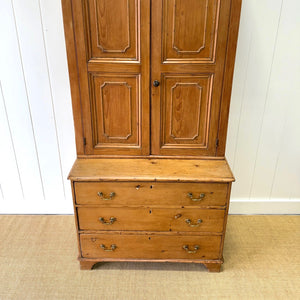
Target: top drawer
{"x":150,"y":193}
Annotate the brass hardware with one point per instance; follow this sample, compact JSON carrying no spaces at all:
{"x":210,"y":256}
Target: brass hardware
{"x":113,"y":247}
{"x":187,"y":249}
{"x":189,"y":222}
{"x":178,"y":216}
{"x":111,"y":221}
{"x":111,"y":195}
{"x":201,"y":197}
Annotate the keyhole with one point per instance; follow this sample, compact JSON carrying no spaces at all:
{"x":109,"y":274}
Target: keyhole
{"x":150,"y":211}
{"x":151,"y":186}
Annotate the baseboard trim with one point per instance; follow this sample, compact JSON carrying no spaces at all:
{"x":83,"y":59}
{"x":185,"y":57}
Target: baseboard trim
{"x":264,"y":207}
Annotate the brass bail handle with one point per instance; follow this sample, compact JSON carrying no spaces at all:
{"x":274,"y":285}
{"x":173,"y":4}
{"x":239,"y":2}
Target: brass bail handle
{"x":189,"y":222}
{"x":110,"y":222}
{"x":111,"y":195}
{"x":113,"y":247}
{"x":187,"y":249}
{"x":201,"y":197}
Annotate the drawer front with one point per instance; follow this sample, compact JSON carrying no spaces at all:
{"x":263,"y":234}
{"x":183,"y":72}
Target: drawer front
{"x":151,"y":193}
{"x":151,"y":219}
{"x":150,"y":246}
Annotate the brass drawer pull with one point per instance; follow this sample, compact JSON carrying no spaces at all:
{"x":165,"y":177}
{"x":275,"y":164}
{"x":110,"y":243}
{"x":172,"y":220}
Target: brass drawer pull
{"x":189,"y":222}
{"x":187,"y":249}
{"x":113,"y":247}
{"x":201,"y":197}
{"x":111,"y":195}
{"x":111,"y":221}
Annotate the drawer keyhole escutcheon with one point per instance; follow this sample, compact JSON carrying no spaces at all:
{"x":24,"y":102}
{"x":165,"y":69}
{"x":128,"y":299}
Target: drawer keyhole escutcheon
{"x":110,"y":222}
{"x":189,"y":222}
{"x":187,"y":249}
{"x":111,"y":195}
{"x":113,"y":247}
{"x":191,"y":196}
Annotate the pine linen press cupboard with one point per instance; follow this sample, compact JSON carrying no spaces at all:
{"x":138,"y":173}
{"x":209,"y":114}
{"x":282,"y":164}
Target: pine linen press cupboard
{"x":151,"y":85}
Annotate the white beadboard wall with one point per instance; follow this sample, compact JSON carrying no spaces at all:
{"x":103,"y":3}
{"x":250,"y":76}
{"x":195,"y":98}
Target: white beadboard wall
{"x":37,"y":146}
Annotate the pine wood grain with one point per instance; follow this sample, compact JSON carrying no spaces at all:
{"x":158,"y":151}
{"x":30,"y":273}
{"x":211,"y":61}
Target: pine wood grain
{"x":151,"y":219}
{"x":151,"y":247}
{"x":150,"y":194}
{"x":171,"y":170}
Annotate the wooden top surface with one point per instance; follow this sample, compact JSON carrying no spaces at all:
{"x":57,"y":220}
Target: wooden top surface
{"x":175,"y":170}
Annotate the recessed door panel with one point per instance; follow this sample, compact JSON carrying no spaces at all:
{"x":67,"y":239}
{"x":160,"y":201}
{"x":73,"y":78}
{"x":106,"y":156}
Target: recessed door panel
{"x":113,"y":29}
{"x":186,"y":106}
{"x":190,"y":30}
{"x":116,"y":111}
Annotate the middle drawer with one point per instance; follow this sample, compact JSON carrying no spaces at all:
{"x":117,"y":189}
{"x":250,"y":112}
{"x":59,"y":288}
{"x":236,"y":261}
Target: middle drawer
{"x":147,"y":219}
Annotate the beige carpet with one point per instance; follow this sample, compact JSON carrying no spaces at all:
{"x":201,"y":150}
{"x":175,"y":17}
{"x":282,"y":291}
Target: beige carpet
{"x":38,"y":261}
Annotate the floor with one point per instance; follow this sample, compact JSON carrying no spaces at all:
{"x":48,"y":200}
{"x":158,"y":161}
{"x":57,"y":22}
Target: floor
{"x":38,"y":261}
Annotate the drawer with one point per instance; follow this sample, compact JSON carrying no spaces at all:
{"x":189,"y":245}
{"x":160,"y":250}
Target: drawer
{"x":150,"y":246}
{"x":151,"y":193}
{"x":151,"y":219}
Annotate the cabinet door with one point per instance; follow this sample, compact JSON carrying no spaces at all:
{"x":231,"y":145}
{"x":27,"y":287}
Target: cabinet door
{"x":113,"y":49}
{"x":189,"y":39}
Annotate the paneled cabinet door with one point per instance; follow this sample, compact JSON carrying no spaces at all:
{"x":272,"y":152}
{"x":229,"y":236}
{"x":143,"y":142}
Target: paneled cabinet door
{"x":113,"y":52}
{"x":189,"y":39}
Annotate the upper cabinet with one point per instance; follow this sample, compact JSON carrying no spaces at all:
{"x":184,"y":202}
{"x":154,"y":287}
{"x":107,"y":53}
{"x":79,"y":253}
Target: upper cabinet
{"x":150,"y":76}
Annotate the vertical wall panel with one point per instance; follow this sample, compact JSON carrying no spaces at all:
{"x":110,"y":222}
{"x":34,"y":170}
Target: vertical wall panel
{"x":263,"y":37}
{"x":1,"y":194}
{"x":51,"y":13}
{"x":278,"y":153}
{"x":18,"y":113}
{"x":287,"y":172}
{"x":11,"y":185}
{"x":239,"y":81}
{"x":29,"y":26}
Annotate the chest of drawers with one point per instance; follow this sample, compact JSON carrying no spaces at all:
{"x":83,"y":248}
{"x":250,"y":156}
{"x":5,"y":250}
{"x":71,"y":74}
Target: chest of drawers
{"x":151,"y":86}
{"x":151,"y":210}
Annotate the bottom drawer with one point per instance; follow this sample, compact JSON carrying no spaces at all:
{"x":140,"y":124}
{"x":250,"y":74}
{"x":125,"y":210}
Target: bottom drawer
{"x":150,"y":246}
